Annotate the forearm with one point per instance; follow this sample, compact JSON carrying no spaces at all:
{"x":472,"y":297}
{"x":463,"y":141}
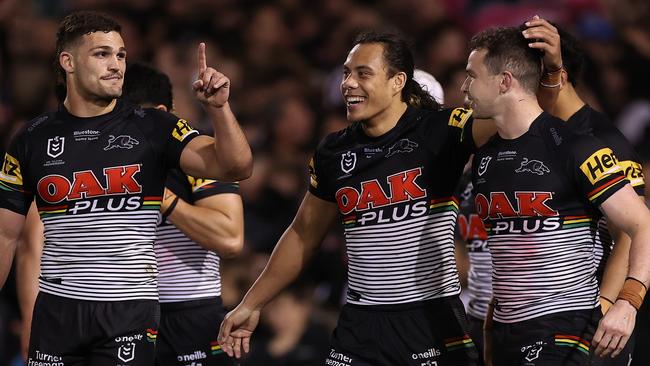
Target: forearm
{"x":212,"y":230}
{"x":616,"y":268}
{"x":640,"y":255}
{"x":232,"y":151}
{"x":288,"y":258}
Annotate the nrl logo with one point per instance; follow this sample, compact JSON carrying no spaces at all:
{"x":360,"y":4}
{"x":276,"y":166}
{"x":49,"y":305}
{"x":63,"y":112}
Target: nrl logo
{"x":348,"y":161}
{"x":55,"y":146}
{"x":482,"y":167}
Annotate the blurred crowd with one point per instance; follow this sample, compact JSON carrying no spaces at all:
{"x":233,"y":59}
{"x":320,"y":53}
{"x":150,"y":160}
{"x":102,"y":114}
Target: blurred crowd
{"x":284,"y":59}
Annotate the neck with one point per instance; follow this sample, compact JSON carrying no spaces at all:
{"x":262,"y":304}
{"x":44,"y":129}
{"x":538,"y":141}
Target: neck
{"x":81,"y":106}
{"x":517,"y":116}
{"x":385,"y":120}
{"x":568,"y":103}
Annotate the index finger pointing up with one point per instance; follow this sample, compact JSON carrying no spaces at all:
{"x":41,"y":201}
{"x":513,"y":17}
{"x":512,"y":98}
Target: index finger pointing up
{"x":202,"y":61}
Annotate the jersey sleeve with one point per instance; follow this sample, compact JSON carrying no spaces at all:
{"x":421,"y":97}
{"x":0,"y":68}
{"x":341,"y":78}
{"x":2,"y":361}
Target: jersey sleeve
{"x":317,"y":179}
{"x":177,"y":134}
{"x":15,"y":194}
{"x":203,"y":188}
{"x":596,"y":170}
{"x":629,"y":161}
{"x":459,"y":124}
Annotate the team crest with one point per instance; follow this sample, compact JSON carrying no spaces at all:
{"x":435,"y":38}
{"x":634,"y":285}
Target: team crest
{"x":55,"y":146}
{"x":482,"y":167}
{"x":532,"y":166}
{"x":348,"y":161}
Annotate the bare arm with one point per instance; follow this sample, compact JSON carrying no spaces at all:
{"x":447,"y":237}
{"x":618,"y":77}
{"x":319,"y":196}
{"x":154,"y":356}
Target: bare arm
{"x":616,"y":267}
{"x":296,"y":246}
{"x":28,"y":268}
{"x":625,"y":211}
{"x":227,"y":156}
{"x":216,"y":222}
{"x":11,"y":225}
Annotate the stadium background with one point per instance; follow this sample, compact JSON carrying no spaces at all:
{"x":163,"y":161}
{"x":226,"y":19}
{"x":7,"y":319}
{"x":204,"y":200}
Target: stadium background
{"x":284,"y":60}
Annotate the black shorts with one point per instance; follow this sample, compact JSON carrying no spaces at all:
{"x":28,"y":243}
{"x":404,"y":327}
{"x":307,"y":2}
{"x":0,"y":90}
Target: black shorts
{"x":428,"y":333}
{"x":560,"y":339}
{"x":188,"y":334}
{"x":476,"y":332}
{"x":77,"y":332}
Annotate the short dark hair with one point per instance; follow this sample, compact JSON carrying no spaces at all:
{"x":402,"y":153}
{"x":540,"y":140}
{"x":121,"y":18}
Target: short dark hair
{"x":399,"y":58}
{"x":77,"y":24}
{"x":507,"y":49}
{"x":573,"y":56}
{"x":145,"y":85}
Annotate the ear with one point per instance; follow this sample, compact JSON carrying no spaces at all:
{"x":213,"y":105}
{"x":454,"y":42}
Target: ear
{"x":399,"y":82}
{"x":564,"y":79}
{"x":66,"y":61}
{"x":506,"y":82}
{"x":161,"y":107}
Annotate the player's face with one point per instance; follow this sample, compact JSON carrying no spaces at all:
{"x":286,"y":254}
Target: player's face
{"x":481,"y":88}
{"x":366,"y":87}
{"x":99,"y":65}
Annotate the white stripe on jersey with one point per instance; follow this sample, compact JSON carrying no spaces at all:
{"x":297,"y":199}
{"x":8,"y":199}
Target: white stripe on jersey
{"x":479,"y":283}
{"x":100,"y":256}
{"x":543,"y":273}
{"x":401,"y":262}
{"x":186,"y":270}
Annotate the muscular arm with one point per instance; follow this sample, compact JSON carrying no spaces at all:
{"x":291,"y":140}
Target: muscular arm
{"x":226,"y":156}
{"x":216,"y":222}
{"x":625,"y":211}
{"x":28,"y":267}
{"x":11,"y":225}
{"x":296,"y":246}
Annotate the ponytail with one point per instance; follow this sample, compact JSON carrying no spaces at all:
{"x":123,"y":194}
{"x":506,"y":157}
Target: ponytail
{"x":415,"y":96}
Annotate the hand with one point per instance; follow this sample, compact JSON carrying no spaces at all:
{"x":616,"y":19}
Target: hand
{"x":211,"y":87}
{"x":168,"y":198}
{"x":614,"y":329}
{"x":547,"y":39}
{"x":236,"y":330}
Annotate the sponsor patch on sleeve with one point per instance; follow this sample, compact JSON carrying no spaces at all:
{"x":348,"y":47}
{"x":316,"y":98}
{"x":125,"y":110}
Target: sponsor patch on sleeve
{"x":459,"y":117}
{"x":182,"y":130}
{"x":633,"y":172}
{"x":10,"y":172}
{"x":313,"y":180}
{"x":599,"y":165}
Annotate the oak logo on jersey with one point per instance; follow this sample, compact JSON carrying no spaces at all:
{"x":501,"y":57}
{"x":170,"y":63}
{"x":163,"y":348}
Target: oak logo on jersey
{"x":401,"y":146}
{"x":121,"y":142}
{"x":182,"y":130}
{"x":55,"y":188}
{"x":528,"y":204}
{"x":348,"y":161}
{"x":633,"y":172}
{"x":55,"y":146}
{"x":483,"y":165}
{"x":10,"y":172}
{"x":402,"y":187}
{"x":471,"y":227}
{"x":599,"y":165}
{"x":459,"y":117}
{"x":533,"y":166}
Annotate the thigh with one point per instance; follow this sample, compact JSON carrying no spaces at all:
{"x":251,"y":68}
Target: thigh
{"x":56,"y":336}
{"x":190,"y":335}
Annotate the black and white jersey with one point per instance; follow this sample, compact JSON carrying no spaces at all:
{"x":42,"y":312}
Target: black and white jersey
{"x":98,"y":184}
{"x":591,"y":122}
{"x":395,"y":197}
{"x":538,"y":196}
{"x":186,"y":270}
{"x":470,"y":230}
